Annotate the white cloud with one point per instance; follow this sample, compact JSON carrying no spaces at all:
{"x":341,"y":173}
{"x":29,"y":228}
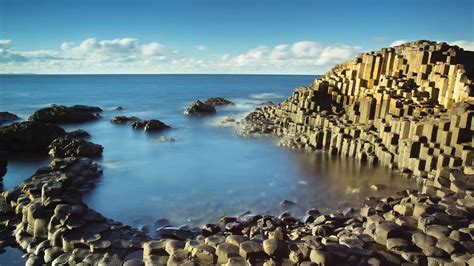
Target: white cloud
{"x":129,"y":55}
{"x":304,"y":54}
{"x":200,"y":47}
{"x":398,"y":42}
{"x":5,"y":44}
{"x":466,"y":45}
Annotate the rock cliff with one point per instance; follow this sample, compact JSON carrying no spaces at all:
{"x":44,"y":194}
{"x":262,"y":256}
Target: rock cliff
{"x":408,"y":107}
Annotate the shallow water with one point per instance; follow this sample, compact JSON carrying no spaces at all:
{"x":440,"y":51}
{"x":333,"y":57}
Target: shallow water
{"x":209,"y":170}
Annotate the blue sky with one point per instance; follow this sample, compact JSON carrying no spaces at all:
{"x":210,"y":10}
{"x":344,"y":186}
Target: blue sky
{"x":218,"y":36}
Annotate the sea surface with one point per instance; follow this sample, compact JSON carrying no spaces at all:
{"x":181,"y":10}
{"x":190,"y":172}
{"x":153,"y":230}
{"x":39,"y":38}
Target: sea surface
{"x":208,"y":170}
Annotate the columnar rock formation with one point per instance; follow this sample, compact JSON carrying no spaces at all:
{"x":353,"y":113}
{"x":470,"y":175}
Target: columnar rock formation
{"x":408,"y":107}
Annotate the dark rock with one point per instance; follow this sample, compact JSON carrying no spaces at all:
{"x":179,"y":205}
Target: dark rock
{"x":199,"y":108}
{"x":70,"y":147}
{"x":218,"y":101}
{"x":124,"y":119}
{"x":155,"y":125}
{"x":138,"y":124}
{"x":78,"y":134}
{"x":118,"y":108}
{"x":29,"y":136}
{"x":175,"y":233}
{"x":7,"y":117}
{"x":60,"y":114}
{"x":152,"y":125}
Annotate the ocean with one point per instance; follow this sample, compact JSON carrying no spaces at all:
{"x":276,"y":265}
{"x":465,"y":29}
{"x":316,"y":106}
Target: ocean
{"x":208,"y":170}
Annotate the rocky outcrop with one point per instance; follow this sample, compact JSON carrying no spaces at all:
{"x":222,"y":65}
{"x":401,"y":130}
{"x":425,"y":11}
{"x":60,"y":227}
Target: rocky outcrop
{"x":6,"y":117}
{"x":29,"y":137}
{"x":68,"y":146}
{"x":45,"y":216}
{"x":218,"y":101}
{"x":199,"y":108}
{"x":408,"y":107}
{"x":60,"y":114}
{"x":124,"y":119}
{"x":152,"y":125}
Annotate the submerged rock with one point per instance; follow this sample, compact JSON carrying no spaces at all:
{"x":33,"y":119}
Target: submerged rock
{"x":29,"y":136}
{"x":218,"y":101}
{"x":266,"y":103}
{"x":68,"y":147}
{"x":124,"y":119}
{"x":199,"y":108}
{"x":78,"y":134}
{"x":60,"y":114}
{"x":7,"y":117}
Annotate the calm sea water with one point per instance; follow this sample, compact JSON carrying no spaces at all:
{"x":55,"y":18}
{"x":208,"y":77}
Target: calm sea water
{"x":209,"y":170}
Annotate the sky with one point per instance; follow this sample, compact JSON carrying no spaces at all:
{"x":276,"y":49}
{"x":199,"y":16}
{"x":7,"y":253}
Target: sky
{"x":216,"y":36}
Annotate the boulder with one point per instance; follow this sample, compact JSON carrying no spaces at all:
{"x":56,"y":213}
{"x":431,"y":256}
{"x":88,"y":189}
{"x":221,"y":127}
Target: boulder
{"x":71,"y":147}
{"x":199,"y":108}
{"x":7,"y":117}
{"x":60,"y":114}
{"x":218,"y":101}
{"x":29,"y":136}
{"x":155,"y":125}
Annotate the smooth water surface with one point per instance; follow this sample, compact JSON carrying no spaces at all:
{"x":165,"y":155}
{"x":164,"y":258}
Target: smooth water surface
{"x":209,"y":170}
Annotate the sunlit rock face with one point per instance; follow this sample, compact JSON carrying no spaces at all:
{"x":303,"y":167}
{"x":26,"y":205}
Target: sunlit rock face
{"x":408,"y":107}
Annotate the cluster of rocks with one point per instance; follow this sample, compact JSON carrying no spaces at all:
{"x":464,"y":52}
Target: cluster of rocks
{"x":45,"y":216}
{"x":41,"y":135}
{"x":199,"y":108}
{"x":408,"y":107}
{"x":71,"y":146}
{"x":60,"y":114}
{"x":153,"y":125}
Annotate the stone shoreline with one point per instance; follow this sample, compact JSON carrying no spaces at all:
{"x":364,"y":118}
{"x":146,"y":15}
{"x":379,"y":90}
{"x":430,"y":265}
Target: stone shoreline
{"x":369,"y":109}
{"x":47,"y":219}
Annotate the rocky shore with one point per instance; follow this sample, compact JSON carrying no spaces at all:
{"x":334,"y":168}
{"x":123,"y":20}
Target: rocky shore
{"x":408,"y":107}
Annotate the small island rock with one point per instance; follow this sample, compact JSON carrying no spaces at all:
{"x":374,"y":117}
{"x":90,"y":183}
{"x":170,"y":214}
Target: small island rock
{"x":60,"y":114}
{"x":199,"y":108}
{"x":7,"y":117}
{"x":218,"y":101}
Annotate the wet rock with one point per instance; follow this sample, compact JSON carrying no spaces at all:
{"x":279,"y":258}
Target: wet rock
{"x":6,"y":117}
{"x":29,"y":136}
{"x":124,"y":119}
{"x":175,"y":233}
{"x":287,"y":203}
{"x":60,"y":114}
{"x":70,"y":147}
{"x":218,"y":101}
{"x":210,"y":229}
{"x":199,"y":108}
